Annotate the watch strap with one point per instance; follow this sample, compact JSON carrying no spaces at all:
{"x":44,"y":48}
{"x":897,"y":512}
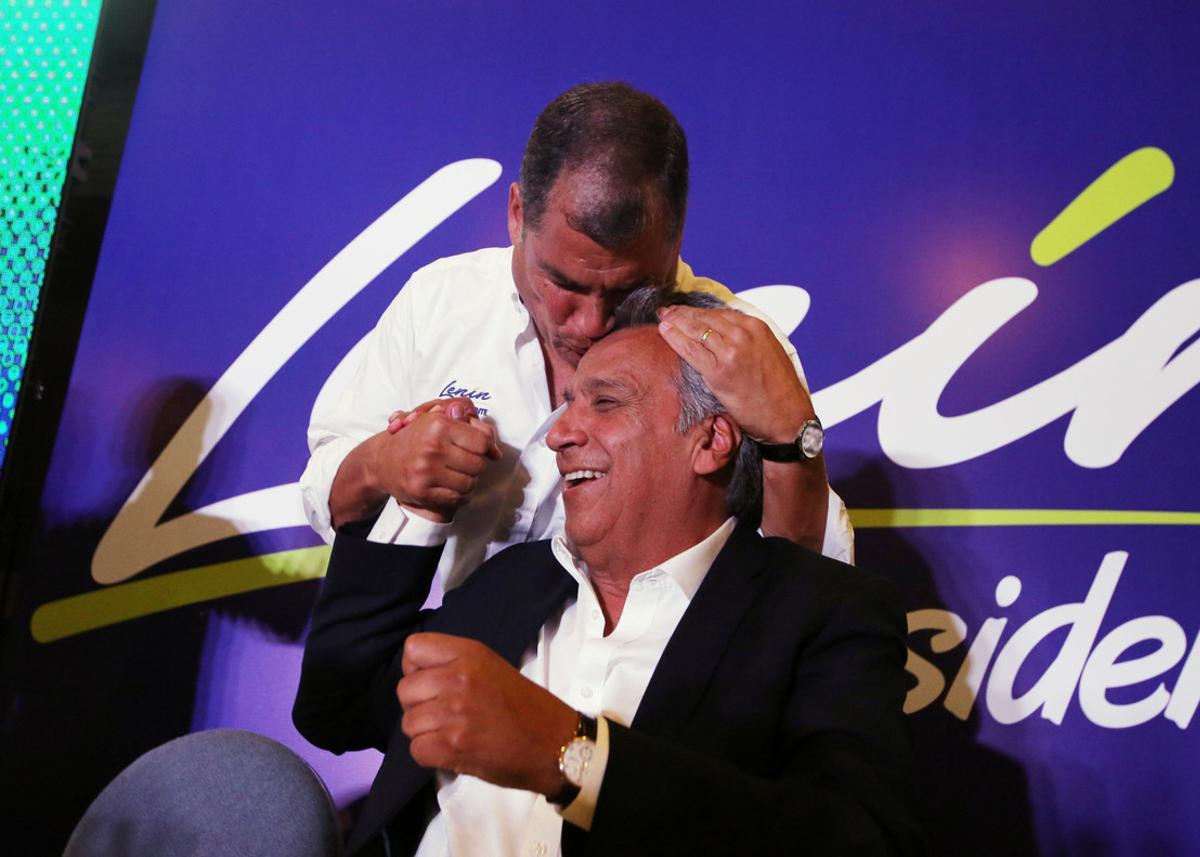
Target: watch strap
{"x":793,"y":451}
{"x":784,"y":452}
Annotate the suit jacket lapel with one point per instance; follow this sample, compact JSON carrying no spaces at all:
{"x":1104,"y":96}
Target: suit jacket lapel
{"x":507,"y":616}
{"x":702,"y":636}
{"x":505,"y":611}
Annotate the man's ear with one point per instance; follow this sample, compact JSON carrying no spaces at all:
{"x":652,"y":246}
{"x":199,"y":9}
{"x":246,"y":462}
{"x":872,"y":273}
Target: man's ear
{"x":718,"y":444}
{"x":516,"y":214}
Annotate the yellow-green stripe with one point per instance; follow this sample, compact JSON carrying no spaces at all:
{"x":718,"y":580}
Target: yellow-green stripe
{"x":865,"y":519}
{"x":124,"y":601}
{"x":1129,"y":183}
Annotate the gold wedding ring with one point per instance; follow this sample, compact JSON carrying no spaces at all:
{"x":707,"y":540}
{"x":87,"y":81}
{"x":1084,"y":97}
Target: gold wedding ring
{"x":704,"y":336}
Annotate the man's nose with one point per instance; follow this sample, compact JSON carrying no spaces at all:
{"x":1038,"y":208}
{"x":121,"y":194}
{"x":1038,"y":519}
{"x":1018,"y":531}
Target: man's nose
{"x":565,"y":432}
{"x":596,"y":317}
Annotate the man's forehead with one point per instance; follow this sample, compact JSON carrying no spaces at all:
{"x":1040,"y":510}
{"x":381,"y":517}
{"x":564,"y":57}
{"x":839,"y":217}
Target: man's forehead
{"x":575,"y":195}
{"x":580,"y":279}
{"x":637,"y":355}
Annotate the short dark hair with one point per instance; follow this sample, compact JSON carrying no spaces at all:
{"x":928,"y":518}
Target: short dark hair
{"x":630,"y":138}
{"x":743,"y":497}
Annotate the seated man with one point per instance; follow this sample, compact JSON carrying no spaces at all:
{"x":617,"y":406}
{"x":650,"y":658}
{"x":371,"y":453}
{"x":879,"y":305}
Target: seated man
{"x":660,"y":680}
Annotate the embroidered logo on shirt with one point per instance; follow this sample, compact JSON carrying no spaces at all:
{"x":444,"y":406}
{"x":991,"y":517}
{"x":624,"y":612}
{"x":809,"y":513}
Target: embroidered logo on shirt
{"x":453,"y":390}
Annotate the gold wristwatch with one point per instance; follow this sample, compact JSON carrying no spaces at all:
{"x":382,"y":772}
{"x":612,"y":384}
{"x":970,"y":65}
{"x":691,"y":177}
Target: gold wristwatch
{"x":573,"y":760}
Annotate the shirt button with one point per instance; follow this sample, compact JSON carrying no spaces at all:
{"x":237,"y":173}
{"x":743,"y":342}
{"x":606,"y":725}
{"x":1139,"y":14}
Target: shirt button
{"x":539,"y":850}
{"x":586,"y":693}
{"x":595,"y":613}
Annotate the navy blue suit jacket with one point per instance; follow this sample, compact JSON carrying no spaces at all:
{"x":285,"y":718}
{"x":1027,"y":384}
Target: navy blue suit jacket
{"x":772,"y":724}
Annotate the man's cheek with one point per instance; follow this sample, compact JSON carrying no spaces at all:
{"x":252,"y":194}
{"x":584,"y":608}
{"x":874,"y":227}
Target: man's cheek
{"x":559,"y":310}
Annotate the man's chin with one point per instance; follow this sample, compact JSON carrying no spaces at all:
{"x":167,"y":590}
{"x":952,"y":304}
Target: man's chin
{"x":578,"y":536}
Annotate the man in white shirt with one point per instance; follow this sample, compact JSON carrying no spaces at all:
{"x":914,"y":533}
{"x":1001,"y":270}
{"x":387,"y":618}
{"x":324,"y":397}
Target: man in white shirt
{"x":598,"y":211}
{"x":661,"y":679}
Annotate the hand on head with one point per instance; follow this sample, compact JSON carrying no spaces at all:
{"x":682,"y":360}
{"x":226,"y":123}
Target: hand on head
{"x":744,"y":365}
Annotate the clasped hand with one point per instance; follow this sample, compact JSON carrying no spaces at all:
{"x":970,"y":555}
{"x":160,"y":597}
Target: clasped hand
{"x":433,"y":455}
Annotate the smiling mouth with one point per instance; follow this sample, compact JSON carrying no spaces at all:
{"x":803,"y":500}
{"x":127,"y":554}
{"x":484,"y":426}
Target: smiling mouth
{"x":579,"y":477}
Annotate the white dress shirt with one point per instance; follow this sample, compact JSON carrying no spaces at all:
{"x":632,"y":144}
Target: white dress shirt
{"x":602,"y":676}
{"x":459,"y":324}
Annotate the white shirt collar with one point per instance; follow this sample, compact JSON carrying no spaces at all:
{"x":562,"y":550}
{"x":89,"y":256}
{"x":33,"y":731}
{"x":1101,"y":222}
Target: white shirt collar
{"x":687,"y":568}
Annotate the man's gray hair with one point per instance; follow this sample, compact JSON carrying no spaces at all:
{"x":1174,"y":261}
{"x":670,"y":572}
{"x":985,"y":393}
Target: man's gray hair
{"x":743,"y":498}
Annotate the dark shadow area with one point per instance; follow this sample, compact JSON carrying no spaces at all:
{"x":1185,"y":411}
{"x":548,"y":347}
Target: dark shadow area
{"x":76,"y":711}
{"x":973,"y":800}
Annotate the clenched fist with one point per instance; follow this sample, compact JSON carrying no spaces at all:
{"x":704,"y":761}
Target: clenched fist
{"x":468,"y":710}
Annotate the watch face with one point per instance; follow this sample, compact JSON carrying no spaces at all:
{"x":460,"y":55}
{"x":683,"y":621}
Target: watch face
{"x":576,"y":759}
{"x":812,"y":439}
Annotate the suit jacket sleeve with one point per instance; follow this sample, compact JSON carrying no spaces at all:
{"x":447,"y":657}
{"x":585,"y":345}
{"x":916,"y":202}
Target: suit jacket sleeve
{"x":842,"y":783}
{"x":370,"y":602}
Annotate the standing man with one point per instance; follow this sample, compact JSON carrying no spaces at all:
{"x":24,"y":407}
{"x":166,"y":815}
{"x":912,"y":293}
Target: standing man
{"x":489,"y":341}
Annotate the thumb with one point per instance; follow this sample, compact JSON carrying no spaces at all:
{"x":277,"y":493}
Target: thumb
{"x":460,"y":409}
{"x":424,"y":649}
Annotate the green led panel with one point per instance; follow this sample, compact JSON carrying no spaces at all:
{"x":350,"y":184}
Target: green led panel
{"x":45,"y":46}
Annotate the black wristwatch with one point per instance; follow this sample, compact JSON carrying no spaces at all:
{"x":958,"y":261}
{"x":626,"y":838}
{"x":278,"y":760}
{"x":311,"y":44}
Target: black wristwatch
{"x":807,"y":445}
{"x":573,"y":760}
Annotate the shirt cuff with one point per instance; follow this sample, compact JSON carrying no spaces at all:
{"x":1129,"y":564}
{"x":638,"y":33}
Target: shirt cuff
{"x":399,"y":526}
{"x":580,"y":811}
{"x":839,"y":533}
{"x":317,"y":480}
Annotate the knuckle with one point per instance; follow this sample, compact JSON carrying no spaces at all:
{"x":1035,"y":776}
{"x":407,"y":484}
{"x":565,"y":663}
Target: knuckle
{"x":758,"y":329}
{"x":463,"y":680}
{"x":738,"y":335}
{"x":458,"y":739}
{"x":422,"y":754}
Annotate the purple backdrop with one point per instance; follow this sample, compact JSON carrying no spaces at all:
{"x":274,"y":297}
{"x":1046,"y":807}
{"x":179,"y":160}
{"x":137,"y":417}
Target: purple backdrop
{"x":892,"y":164}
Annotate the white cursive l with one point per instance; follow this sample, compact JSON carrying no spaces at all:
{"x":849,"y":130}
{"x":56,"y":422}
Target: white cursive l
{"x":136,"y":539}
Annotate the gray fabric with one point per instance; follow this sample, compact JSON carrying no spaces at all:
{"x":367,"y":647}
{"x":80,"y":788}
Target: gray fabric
{"x":221,"y":792}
